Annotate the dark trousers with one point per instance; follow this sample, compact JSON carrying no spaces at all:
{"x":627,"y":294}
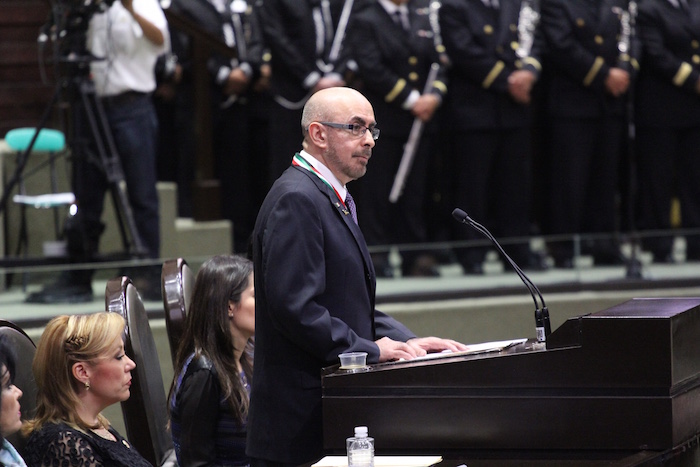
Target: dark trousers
{"x":285,"y":139}
{"x":383,"y":222}
{"x":668,"y":162}
{"x":584,"y":163}
{"x":134,"y":127}
{"x":491,"y":171}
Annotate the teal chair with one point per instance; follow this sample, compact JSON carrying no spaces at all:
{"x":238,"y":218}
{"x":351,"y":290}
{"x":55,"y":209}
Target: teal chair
{"x":53,"y":143}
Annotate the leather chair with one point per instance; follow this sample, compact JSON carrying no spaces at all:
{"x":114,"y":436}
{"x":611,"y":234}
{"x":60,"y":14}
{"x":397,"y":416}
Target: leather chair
{"x":24,"y":378}
{"x":145,"y":414}
{"x":177,"y":282}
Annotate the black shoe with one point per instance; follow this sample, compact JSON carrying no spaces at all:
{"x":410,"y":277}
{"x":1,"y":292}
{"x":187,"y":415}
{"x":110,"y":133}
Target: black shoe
{"x":533,"y":261}
{"x":564,"y":262}
{"x":608,"y":258}
{"x":664,"y":258}
{"x":473,"y":269}
{"x":70,"y":287}
{"x":424,"y":265}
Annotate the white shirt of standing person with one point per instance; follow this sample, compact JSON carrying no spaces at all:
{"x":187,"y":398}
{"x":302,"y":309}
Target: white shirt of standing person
{"x":125,"y":57}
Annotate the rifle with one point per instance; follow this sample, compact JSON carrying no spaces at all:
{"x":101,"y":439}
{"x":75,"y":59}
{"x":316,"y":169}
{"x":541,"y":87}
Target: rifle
{"x":409,"y":151}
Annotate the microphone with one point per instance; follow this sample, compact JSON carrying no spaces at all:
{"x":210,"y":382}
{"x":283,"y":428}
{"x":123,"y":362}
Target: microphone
{"x":542,"y":325}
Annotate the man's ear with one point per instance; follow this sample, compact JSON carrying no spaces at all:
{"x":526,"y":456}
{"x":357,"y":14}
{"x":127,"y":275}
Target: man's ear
{"x":317,"y":135}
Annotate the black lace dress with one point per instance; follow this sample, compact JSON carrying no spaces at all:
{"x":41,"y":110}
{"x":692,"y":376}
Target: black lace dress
{"x":58,"y":445}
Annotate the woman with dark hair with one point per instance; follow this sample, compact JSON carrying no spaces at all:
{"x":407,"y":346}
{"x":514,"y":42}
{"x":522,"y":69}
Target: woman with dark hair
{"x":10,"y":421}
{"x":80,"y":369}
{"x":209,"y":395}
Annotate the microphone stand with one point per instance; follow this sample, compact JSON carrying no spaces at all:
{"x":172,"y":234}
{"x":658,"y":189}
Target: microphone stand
{"x":542,"y":325}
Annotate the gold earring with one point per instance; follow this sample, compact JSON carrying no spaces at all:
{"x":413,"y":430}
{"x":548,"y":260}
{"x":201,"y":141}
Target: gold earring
{"x":87,"y":385}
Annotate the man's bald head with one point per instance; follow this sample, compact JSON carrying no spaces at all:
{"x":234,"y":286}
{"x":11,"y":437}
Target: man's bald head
{"x":326,"y":104}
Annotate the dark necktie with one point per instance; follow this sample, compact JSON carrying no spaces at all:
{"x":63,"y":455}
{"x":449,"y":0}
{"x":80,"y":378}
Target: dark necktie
{"x":399,"y":19}
{"x":350,"y":203}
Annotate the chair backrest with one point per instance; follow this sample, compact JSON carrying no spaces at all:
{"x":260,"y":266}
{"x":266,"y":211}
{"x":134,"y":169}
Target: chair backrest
{"x":24,"y":378}
{"x":177,"y":282}
{"x":145,"y":414}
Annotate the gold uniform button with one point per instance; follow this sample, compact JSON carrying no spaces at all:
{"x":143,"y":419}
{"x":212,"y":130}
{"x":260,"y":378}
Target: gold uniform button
{"x":514,"y":45}
{"x":499,"y":49}
{"x":413,"y":76}
{"x":440,"y":49}
{"x":598,"y":40}
{"x":696,"y":59}
{"x":580,"y":22}
{"x":513,"y":28}
{"x":412,"y":60}
{"x":695,"y":44}
{"x":488,"y":29}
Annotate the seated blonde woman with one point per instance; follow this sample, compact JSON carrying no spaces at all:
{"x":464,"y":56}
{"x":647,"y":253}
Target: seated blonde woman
{"x":80,"y":369}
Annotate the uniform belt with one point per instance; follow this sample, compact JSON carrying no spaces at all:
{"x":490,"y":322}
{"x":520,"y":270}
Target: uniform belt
{"x":123,"y":98}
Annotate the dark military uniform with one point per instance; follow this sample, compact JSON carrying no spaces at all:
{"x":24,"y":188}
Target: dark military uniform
{"x":233,"y":23}
{"x":668,"y":120}
{"x":394,"y":60}
{"x":586,"y":122}
{"x":299,"y":34}
{"x":491,"y":155}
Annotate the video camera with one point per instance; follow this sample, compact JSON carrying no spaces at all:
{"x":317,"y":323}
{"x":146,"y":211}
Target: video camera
{"x":67,"y":28}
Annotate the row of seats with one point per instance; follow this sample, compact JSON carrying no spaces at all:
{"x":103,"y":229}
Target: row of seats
{"x":145,"y":414}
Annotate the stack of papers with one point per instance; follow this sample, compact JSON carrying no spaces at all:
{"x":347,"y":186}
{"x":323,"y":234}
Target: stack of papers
{"x":383,"y":461}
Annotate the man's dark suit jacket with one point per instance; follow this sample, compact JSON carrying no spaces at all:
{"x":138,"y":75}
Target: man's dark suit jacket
{"x":314,"y":297}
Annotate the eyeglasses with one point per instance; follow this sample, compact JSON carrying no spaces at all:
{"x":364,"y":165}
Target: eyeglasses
{"x":356,"y":128}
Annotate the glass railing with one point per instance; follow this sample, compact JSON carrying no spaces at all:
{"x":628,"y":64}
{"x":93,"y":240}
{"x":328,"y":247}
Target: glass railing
{"x":635,"y":257}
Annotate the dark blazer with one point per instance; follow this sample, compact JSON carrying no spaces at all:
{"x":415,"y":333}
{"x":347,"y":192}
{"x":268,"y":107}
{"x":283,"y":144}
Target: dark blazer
{"x":481,"y":43}
{"x":392,"y":62}
{"x":291,"y":34}
{"x":670,"y":66}
{"x":314,"y":297}
{"x":582,"y":46}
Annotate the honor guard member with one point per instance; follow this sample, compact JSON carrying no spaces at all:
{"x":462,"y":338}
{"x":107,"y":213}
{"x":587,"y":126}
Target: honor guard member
{"x":393,"y":43}
{"x":305,"y":39}
{"x":232,"y":80}
{"x":668,"y":121}
{"x":495,"y":64}
{"x":586,"y":103}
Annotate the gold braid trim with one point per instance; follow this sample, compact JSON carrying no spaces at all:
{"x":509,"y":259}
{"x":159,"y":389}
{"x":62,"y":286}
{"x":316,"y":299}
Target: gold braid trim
{"x":442,"y":87}
{"x":398,"y":87}
{"x":493,"y":74}
{"x":683,"y":72}
{"x":534,"y":62}
{"x":597,"y":65}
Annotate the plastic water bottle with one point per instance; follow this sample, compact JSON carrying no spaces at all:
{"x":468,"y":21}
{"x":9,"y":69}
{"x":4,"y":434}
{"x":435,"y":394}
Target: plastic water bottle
{"x":360,"y":449}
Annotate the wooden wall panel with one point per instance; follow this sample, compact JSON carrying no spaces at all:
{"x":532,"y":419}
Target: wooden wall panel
{"x":23,"y":95}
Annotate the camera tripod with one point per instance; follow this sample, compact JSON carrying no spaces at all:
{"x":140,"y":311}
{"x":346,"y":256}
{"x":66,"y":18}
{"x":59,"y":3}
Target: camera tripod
{"x":91,"y":142}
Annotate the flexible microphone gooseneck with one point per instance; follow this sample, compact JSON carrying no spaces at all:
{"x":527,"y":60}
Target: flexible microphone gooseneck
{"x":542,"y":325}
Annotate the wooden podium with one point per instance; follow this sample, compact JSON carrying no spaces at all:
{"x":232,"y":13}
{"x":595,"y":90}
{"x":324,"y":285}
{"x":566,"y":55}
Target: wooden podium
{"x":623,"y":383}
